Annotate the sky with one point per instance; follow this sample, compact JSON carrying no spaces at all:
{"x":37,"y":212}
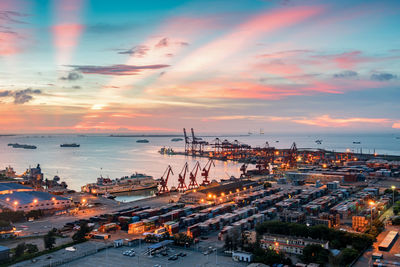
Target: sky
{"x":99,"y":66}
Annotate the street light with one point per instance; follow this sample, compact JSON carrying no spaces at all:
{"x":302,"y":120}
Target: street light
{"x":393,"y":188}
{"x":371,"y":203}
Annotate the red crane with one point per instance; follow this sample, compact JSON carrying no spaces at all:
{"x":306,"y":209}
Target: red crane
{"x":164,"y":181}
{"x":206,"y":171}
{"x":181,"y":178}
{"x":193,"y":183}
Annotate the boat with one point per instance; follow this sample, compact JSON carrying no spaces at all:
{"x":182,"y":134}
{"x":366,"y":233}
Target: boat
{"x":166,"y":151}
{"x":16,"y":145}
{"x":142,"y":141}
{"x":356,"y":142}
{"x":319,"y":141}
{"x":135,"y":182}
{"x":70,"y":145}
{"x":176,"y":139}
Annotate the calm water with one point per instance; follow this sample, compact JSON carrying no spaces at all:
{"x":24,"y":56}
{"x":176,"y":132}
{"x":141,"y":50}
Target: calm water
{"x":116,"y":157}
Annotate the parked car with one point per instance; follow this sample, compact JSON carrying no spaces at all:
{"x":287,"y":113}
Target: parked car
{"x":182,"y":254}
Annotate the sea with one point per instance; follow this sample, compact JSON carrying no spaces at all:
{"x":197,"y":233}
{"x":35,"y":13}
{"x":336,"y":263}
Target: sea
{"x":115,"y":157}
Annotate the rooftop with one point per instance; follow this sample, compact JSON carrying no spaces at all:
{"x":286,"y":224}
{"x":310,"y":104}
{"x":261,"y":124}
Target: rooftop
{"x":13,"y":187}
{"x":28,"y":197}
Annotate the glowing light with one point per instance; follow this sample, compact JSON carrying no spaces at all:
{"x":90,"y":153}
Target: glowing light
{"x":195,"y":190}
{"x":223,"y":194}
{"x":393,"y":187}
{"x":53,"y":198}
{"x":371,"y":203}
{"x":237,"y":190}
{"x":209,"y":196}
{"x":324,"y":166}
{"x":244,"y":188}
{"x":348,"y":150}
{"x":83,"y":200}
{"x":277,"y":153}
{"x":15,"y":203}
{"x":98,"y":106}
{"x":8,"y":199}
{"x":214,"y":196}
{"x":35,"y":201}
{"x":201,"y":200}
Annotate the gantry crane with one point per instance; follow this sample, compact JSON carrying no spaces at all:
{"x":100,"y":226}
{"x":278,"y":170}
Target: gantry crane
{"x":164,"y":181}
{"x":243,"y":169}
{"x":193,"y":183}
{"x":181,"y":178}
{"x":206,"y":171}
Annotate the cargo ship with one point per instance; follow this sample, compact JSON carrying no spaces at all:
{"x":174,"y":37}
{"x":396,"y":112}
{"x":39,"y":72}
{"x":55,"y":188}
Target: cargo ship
{"x":135,"y":182}
{"x":16,"y":145}
{"x":70,"y":145}
{"x":142,"y":141}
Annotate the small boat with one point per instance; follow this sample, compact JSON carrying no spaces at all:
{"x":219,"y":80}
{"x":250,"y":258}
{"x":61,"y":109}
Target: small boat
{"x":70,"y":145}
{"x":318,"y":141}
{"x":276,"y":141}
{"x":356,"y":142}
{"x":176,"y":139}
{"x":142,"y":141}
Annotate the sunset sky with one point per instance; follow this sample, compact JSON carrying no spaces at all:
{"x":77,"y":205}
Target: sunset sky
{"x":218,"y":66}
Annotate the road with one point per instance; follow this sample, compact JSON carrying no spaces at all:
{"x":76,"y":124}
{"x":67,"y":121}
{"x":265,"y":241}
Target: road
{"x":43,"y":225}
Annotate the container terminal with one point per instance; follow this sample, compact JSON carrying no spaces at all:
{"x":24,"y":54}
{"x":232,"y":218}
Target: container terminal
{"x":344,"y":191}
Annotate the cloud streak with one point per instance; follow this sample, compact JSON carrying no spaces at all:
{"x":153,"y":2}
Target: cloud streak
{"x":117,"y":70}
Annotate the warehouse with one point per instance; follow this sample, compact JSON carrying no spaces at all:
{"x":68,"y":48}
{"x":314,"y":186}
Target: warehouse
{"x":17,"y":197}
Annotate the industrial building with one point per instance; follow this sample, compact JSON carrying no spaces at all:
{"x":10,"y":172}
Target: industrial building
{"x":18,"y":197}
{"x":289,"y":244}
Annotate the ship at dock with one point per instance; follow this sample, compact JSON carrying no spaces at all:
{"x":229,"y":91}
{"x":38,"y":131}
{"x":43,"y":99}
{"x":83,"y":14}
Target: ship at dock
{"x":135,"y":182}
{"x":70,"y":145}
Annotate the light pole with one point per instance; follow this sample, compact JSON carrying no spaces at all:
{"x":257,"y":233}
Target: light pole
{"x":371,"y":203}
{"x":393,"y":188}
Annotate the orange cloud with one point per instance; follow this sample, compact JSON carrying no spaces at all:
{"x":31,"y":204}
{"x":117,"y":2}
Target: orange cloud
{"x":396,"y":125}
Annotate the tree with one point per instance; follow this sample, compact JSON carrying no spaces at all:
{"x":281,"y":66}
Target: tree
{"x":49,"y":239}
{"x":347,"y":256}
{"x":31,"y":248}
{"x":316,"y":254}
{"x":19,"y":250}
{"x":79,"y":236}
{"x":182,"y":239}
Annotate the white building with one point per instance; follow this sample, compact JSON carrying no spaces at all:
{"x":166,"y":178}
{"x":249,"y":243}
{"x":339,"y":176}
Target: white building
{"x":289,"y":244}
{"x":242,"y":256}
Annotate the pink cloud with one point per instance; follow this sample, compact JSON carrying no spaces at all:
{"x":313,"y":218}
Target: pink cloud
{"x":328,"y":121}
{"x":396,"y":125}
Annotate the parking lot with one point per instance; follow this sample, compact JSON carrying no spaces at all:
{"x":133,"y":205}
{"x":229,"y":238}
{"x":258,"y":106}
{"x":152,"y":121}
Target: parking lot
{"x":115,"y":257}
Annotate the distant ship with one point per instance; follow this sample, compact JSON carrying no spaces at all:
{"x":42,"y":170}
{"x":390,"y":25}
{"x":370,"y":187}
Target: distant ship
{"x":176,"y":139}
{"x":106,"y":186}
{"x":70,"y":145}
{"x":142,"y":141}
{"x":356,"y":142}
{"x":318,"y":141}
{"x":16,"y":145}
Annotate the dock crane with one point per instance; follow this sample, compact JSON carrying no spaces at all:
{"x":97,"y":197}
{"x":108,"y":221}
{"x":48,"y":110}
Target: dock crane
{"x":243,"y":169}
{"x":164,"y":181}
{"x":181,"y":178}
{"x":193,"y":183}
{"x":206,"y":171}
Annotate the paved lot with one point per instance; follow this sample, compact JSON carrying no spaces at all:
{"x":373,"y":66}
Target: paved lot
{"x":114,"y":257}
{"x":365,"y":259}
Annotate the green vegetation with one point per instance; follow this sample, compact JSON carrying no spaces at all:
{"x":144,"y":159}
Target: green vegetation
{"x":316,"y":254}
{"x":337,"y":239}
{"x":182,"y":239}
{"x":396,"y":220}
{"x":376,"y":229}
{"x":270,"y":256}
{"x":4,"y":224}
{"x":13,"y":216}
{"x":396,"y":208}
{"x":79,"y":236}
{"x":347,"y":256}
{"x":50,"y":239}
{"x":390,"y":191}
